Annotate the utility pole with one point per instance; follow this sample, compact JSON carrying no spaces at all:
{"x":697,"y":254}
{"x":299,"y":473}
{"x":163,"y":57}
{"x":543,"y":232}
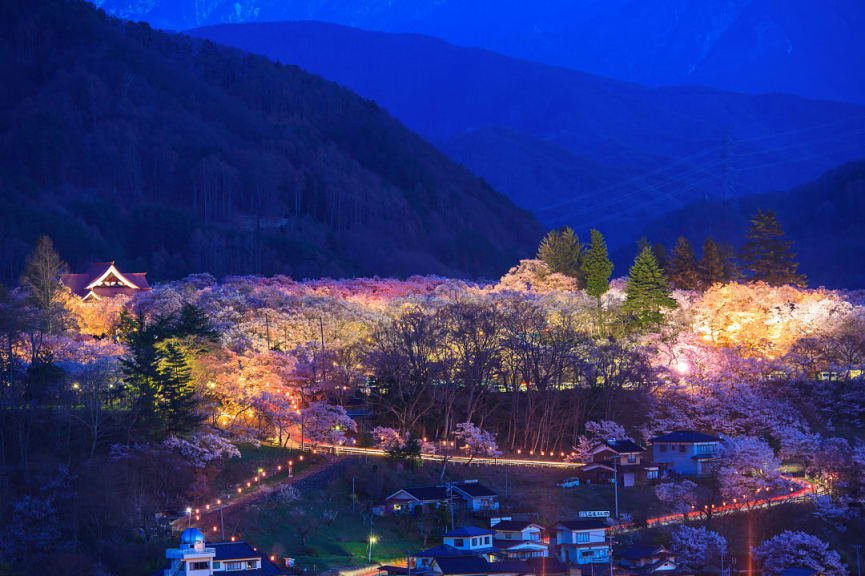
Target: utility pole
{"x":610,"y":551}
{"x":352,"y":494}
{"x":221,"y":520}
{"x":858,"y":564}
{"x":506,"y":481}
{"x":616,"y":483}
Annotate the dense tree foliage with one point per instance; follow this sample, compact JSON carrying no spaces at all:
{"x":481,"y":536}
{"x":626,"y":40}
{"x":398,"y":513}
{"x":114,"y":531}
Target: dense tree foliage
{"x":648,"y":294}
{"x":176,"y":155}
{"x":767,"y":255}
{"x":519,"y":366}
{"x":562,"y":252}
{"x":682,"y":267}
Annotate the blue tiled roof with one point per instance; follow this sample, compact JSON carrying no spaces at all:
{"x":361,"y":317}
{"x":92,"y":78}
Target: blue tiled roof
{"x":624,"y":446}
{"x":475,"y":489}
{"x":590,"y":524}
{"x":428,"y":492}
{"x":468,"y":532}
{"x":441,"y":551}
{"x":463,"y":565}
{"x":688,"y":436}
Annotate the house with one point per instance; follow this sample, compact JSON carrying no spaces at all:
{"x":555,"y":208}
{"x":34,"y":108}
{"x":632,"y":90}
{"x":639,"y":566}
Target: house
{"x":519,"y":539}
{"x":424,"y":559}
{"x":478,"y":541}
{"x":104,"y":280}
{"x":416,"y":500}
{"x":549,"y":566}
{"x":686,"y":452}
{"x":582,"y":541}
{"x":477,"y":566}
{"x":640,"y":555}
{"x":194,"y":557}
{"x":619,"y":458}
{"x":477,"y":497}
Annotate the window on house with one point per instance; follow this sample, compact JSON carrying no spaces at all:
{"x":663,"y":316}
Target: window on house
{"x":663,"y":447}
{"x":217,"y":564}
{"x":652,"y":474}
{"x":459,"y":543}
{"x":199,"y":565}
{"x":632,"y":458}
{"x":233,"y":566}
{"x":252,"y":564}
{"x":682,"y":448}
{"x":486,"y":539}
{"x":474,"y":541}
{"x":582,"y":537}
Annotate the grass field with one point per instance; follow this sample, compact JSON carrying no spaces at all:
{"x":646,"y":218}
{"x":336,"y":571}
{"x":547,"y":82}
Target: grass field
{"x":238,"y":471}
{"x":336,"y":536}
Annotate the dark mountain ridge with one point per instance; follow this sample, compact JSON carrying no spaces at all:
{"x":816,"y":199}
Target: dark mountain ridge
{"x":175,"y":155}
{"x":803,"y":47}
{"x":574,"y":148}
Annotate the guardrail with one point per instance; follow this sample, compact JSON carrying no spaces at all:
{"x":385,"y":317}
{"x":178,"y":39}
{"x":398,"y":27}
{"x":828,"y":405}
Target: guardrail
{"x":336,"y":449}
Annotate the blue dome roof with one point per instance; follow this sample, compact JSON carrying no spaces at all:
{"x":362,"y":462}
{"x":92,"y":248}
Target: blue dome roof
{"x":191,"y":536}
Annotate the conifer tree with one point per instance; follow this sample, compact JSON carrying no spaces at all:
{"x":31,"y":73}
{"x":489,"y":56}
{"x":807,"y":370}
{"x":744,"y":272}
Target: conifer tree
{"x":597,"y":269}
{"x":657,"y":249}
{"x":142,"y":376}
{"x":562,"y":252}
{"x":683,"y":266}
{"x":647,"y":292}
{"x":40,"y":278}
{"x":731,"y":269}
{"x":179,"y":404}
{"x":767,"y":255}
{"x":712,"y":269}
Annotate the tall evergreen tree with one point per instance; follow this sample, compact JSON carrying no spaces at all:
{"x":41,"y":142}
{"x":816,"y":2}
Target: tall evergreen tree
{"x":142,"y":377}
{"x":648,"y":292}
{"x":562,"y":252}
{"x":712,"y":265}
{"x":767,"y":255}
{"x":657,"y":249}
{"x":683,"y":266}
{"x":179,"y":404}
{"x":40,"y":278}
{"x":597,"y":269}
{"x":731,"y":269}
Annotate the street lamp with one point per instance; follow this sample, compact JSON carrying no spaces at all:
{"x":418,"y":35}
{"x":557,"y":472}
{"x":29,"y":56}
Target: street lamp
{"x":372,"y":540}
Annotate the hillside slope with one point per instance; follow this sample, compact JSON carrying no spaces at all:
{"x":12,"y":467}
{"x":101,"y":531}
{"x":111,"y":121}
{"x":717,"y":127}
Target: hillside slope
{"x":803,"y":47}
{"x":824,"y":218}
{"x":173,"y":155}
{"x":575,"y":148}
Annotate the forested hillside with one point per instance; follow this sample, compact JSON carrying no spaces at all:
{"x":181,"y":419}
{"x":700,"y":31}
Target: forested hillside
{"x":576,"y":149}
{"x":176,"y":155}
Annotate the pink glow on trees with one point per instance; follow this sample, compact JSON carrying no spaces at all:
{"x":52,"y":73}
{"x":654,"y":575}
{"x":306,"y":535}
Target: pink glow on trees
{"x":791,"y":548}
{"x":476,"y":441}
{"x":746,"y":467}
{"x":699,"y":545}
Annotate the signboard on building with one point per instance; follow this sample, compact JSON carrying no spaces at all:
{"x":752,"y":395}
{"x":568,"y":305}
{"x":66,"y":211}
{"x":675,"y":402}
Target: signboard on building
{"x":594,"y":513}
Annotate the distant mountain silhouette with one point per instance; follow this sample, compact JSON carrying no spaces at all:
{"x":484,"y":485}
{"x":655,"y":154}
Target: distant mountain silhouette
{"x":824,"y":218}
{"x":575,"y":148}
{"x":804,"y":47}
{"x":176,"y":155}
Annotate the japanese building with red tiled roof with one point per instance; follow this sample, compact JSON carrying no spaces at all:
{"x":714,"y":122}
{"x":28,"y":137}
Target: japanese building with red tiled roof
{"x":104,"y":280}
